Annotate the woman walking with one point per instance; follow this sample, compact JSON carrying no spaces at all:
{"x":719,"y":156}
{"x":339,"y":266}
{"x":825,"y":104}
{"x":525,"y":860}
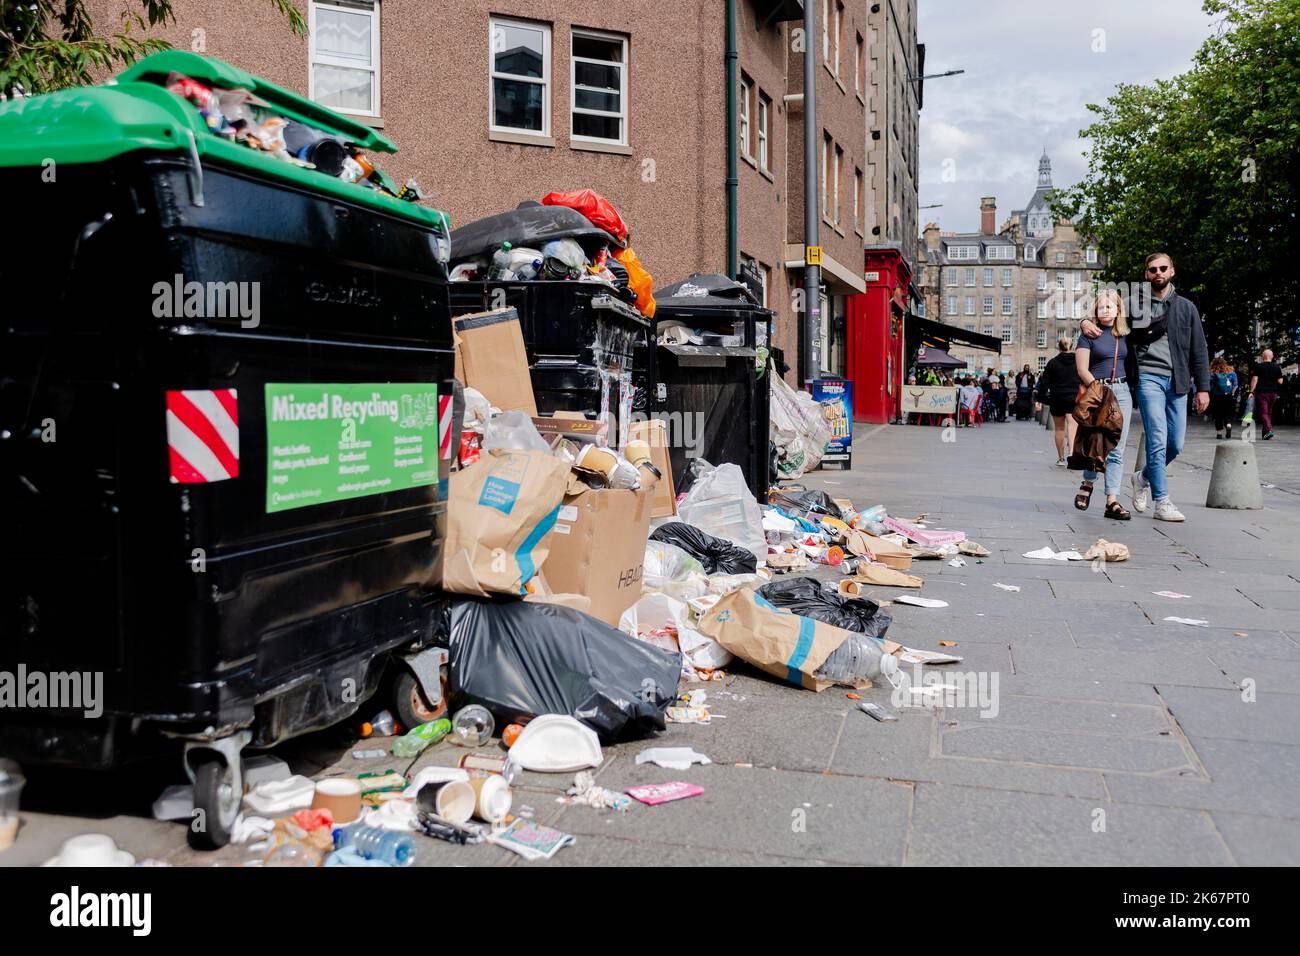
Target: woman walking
{"x":1059,"y":387}
{"x":1108,"y":359}
{"x":1223,"y":396}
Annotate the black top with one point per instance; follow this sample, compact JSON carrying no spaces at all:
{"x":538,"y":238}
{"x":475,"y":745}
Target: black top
{"x":1060,"y":378}
{"x":1270,"y":377}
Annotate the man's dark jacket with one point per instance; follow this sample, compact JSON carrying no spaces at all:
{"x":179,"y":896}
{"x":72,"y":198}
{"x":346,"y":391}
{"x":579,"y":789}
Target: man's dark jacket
{"x":1187,"y":350}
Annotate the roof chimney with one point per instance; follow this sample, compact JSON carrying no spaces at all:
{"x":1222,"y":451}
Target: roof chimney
{"x":988,"y":215}
{"x":931,"y":235}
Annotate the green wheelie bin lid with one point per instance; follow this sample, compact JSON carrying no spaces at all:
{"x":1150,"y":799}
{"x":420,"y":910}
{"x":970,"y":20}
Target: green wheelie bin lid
{"x":135,"y":112}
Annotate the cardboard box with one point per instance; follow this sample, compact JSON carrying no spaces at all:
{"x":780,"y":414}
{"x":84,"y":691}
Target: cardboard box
{"x":490,"y":357}
{"x":561,"y":425}
{"x":654,"y":432}
{"x":598,"y":547}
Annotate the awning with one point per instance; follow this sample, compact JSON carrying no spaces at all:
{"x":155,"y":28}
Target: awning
{"x":918,"y":327}
{"x":937,"y":358}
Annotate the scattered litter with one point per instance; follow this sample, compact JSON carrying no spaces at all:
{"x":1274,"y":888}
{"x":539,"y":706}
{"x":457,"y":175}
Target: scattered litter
{"x":585,"y":792}
{"x":672,"y":758}
{"x":374,"y":754}
{"x":877,"y":712}
{"x":1047,"y":554}
{"x":947,"y":643}
{"x":852,"y":696}
{"x":654,"y":794}
{"x":1170,"y":594}
{"x":971,"y":549}
{"x":689,"y":715}
{"x":957,"y":563}
{"x":280,"y":796}
{"x":1007,"y":587}
{"x":911,"y":655}
{"x":557,"y":743}
{"x":1109,"y":550}
{"x":1188,"y":620}
{"x":531,"y":840}
{"x":1240,"y":634}
{"x":919,"y":601}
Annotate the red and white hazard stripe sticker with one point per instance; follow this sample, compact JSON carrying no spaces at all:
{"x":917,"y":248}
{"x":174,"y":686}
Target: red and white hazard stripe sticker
{"x":444,"y":426}
{"x":203,"y":435}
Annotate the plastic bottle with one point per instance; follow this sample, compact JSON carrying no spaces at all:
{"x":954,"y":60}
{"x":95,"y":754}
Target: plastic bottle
{"x":375,"y":843}
{"x":529,"y":272}
{"x":472,"y":726}
{"x":414,"y":742}
{"x":500,"y":268}
{"x":858,"y":658}
{"x":870,"y":520}
{"x":382,"y":724}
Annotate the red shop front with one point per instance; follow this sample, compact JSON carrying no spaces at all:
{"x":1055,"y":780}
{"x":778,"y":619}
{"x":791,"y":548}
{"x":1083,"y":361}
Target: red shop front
{"x":875,"y":361}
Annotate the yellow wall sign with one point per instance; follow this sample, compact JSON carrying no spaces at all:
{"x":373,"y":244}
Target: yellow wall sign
{"x":812,"y":255}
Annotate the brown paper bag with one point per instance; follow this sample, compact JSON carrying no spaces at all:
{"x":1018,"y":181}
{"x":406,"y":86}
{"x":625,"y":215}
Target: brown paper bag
{"x":878,"y":549}
{"x":887,"y":577}
{"x":785,"y":645}
{"x":501,"y":511}
{"x":491,"y":357}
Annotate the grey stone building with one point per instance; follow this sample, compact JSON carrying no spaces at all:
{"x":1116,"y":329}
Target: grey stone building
{"x":1025,"y":283}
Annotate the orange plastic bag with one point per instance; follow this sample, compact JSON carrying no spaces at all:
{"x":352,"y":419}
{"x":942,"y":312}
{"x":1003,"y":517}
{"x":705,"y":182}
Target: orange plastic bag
{"x":638,"y":280}
{"x":595,"y":207}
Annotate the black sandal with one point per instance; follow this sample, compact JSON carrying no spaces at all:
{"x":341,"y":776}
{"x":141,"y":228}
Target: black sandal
{"x":1084,"y":497}
{"x":1117,"y":511}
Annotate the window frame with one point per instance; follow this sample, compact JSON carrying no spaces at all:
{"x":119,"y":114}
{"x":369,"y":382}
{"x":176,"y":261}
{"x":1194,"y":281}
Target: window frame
{"x":1006,"y":277}
{"x":838,"y":37}
{"x":743,"y":124}
{"x":970,"y":277}
{"x":1042,"y":338}
{"x":970,"y":305}
{"x":986,"y":304}
{"x":375,"y":50}
{"x":625,"y":113}
{"x":954,"y":280}
{"x":1008,"y":333}
{"x":857,"y":200}
{"x":839,"y":174}
{"x":1008,"y":305}
{"x":763,"y":103}
{"x":952,"y":305}
{"x":988,"y":277}
{"x":544,"y":81}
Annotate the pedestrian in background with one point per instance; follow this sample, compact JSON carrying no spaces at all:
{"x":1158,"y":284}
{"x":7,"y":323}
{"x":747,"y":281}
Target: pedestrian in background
{"x":1024,"y":393}
{"x":1223,"y":396}
{"x":1107,"y":358}
{"x":1058,"y":386}
{"x":1001,"y":395}
{"x":1265,"y":380}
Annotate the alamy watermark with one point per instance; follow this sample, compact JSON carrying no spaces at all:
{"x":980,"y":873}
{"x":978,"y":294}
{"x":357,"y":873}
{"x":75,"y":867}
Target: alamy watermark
{"x":685,"y":429}
{"x":949,"y":688}
{"x":56,"y":690}
{"x":208,"y":300}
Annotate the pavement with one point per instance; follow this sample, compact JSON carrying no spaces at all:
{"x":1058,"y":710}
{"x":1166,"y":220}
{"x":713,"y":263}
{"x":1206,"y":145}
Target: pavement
{"x":1106,"y":735}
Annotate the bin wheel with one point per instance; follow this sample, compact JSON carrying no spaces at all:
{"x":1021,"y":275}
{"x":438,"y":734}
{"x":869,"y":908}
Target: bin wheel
{"x":214,"y":794}
{"x":411,"y":706}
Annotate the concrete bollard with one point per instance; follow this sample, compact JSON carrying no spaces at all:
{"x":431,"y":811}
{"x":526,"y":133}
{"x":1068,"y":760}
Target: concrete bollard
{"x":1235,"y":480}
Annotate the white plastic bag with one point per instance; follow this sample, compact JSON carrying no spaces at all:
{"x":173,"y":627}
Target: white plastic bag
{"x":720,"y":503}
{"x":673,"y":571}
{"x":797,"y":429}
{"x":514,"y":430}
{"x":658,"y":611}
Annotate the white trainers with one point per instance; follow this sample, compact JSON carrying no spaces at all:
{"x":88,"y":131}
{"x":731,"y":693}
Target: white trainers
{"x":1060,"y":463}
{"x":1165,"y":511}
{"x":1141,"y":491}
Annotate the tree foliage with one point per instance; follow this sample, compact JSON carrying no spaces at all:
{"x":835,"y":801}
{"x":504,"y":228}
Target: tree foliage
{"x":1206,"y":166}
{"x":48,"y":45}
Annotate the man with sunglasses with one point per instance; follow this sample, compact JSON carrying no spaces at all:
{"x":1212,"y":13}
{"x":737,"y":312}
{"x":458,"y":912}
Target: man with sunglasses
{"x":1171,"y":357}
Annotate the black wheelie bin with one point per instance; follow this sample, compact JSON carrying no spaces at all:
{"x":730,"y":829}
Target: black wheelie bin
{"x":224,"y":429}
{"x":710,"y":376}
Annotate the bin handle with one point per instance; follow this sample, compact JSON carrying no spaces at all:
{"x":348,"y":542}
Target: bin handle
{"x":196,"y":171}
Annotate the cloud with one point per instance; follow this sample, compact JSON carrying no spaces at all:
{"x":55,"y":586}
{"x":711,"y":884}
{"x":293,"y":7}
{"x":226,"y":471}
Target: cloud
{"x":1031,"y":69}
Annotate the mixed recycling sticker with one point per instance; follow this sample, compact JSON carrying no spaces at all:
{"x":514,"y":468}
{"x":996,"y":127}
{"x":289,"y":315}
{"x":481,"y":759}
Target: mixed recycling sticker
{"x":333,"y":442}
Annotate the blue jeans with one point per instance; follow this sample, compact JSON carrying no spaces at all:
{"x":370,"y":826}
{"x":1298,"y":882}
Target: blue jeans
{"x":1164,"y":415}
{"x":1115,"y":460}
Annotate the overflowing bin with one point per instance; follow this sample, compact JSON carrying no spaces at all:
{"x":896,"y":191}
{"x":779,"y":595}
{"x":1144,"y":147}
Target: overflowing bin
{"x":710,"y":376}
{"x":584,"y":338}
{"x":225,"y":422}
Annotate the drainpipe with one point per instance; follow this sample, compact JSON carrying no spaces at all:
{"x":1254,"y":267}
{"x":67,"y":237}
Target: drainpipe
{"x":811,"y":203}
{"x":733,"y":178}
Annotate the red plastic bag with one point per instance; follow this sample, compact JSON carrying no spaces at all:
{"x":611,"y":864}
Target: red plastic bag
{"x":638,"y":280}
{"x":595,"y":207}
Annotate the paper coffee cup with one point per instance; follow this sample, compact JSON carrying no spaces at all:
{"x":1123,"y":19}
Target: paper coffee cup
{"x":637,"y":451}
{"x":452,"y":800}
{"x":601,"y":461}
{"x":492,"y":798}
{"x":341,"y":796}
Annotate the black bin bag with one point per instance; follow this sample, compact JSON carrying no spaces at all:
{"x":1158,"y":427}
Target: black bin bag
{"x":807,"y":597}
{"x":718,"y":555}
{"x":520,"y":659}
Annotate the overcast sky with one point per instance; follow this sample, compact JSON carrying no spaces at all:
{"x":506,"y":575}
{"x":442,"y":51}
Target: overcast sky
{"x":1030,"y":71}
